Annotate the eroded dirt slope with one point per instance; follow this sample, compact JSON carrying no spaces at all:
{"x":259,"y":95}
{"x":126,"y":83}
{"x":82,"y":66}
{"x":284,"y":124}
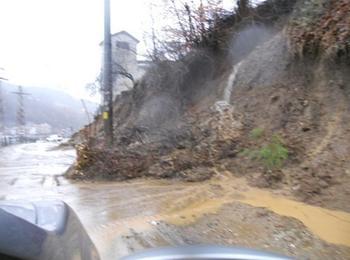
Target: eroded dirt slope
{"x":188,"y":117}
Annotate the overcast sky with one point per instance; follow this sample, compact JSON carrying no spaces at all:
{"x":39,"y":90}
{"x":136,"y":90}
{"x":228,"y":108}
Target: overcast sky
{"x":54,"y":43}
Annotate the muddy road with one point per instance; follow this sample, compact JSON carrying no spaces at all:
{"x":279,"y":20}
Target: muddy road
{"x":123,"y":217}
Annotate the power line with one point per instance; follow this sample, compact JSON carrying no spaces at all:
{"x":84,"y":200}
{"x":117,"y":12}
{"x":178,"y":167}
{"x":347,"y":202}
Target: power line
{"x":20,"y":111}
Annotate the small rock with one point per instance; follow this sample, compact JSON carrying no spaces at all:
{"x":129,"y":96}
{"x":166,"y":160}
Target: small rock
{"x":305,"y":129}
{"x":261,"y":214}
{"x":323,"y":184}
{"x":154,"y":223}
{"x":296,"y":187}
{"x":274,"y":98}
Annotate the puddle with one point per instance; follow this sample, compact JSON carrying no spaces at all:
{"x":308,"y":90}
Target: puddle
{"x":110,"y":209}
{"x":330,"y":225}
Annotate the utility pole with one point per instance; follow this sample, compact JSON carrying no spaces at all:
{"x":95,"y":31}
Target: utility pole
{"x":21,"y":121}
{"x":107,"y":112}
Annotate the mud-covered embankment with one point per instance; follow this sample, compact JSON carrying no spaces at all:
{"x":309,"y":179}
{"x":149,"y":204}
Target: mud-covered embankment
{"x":202,"y":114}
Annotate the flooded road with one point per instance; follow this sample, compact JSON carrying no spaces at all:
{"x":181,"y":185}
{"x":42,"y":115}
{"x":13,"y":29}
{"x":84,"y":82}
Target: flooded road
{"x":123,"y":217}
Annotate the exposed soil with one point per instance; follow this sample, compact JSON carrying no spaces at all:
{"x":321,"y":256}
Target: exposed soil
{"x":174,"y":124}
{"x":237,"y":224}
{"x":152,"y":213}
{"x":124,"y":217}
{"x":215,"y":138}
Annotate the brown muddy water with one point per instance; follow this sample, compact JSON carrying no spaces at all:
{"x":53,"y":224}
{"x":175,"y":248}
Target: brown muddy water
{"x":109,"y":210}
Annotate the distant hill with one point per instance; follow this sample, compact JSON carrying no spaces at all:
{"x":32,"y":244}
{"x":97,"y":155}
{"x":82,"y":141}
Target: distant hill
{"x":45,"y":105}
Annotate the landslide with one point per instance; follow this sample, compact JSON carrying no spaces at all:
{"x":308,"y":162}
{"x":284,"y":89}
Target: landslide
{"x":287,"y":77}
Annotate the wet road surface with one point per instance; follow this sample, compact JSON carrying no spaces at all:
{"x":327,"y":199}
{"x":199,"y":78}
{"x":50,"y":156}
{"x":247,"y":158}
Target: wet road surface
{"x":122,"y":217}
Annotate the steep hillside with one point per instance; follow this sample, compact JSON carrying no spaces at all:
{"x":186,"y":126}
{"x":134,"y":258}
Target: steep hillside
{"x":275,"y":111}
{"x":45,"y":105}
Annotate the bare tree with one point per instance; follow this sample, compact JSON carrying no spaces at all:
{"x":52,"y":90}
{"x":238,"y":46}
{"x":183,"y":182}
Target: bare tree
{"x":191,"y":26}
{"x":243,"y":8}
{"x":117,"y":70}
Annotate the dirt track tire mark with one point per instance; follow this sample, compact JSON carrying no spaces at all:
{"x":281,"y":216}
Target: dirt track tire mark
{"x":331,"y":129}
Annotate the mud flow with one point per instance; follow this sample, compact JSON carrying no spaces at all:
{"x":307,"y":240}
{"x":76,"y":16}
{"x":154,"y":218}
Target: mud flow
{"x":123,"y":217}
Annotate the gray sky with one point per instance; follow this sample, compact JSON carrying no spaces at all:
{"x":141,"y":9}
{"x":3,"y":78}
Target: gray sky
{"x":54,"y":43}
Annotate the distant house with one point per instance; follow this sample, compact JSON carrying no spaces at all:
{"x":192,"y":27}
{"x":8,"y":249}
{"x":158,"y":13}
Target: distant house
{"x":124,"y":60}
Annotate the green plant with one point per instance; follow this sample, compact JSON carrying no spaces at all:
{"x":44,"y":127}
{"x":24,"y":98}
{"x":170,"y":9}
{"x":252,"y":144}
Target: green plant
{"x":256,"y":133}
{"x":252,"y":154}
{"x":273,"y":154}
{"x":246,"y":152}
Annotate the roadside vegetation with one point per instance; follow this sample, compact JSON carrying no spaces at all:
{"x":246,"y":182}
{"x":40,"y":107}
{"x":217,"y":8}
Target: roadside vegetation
{"x":257,"y":133}
{"x":270,"y":152}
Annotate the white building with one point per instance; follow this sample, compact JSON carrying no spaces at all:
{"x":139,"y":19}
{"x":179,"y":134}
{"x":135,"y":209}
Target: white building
{"x":124,"y":61}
